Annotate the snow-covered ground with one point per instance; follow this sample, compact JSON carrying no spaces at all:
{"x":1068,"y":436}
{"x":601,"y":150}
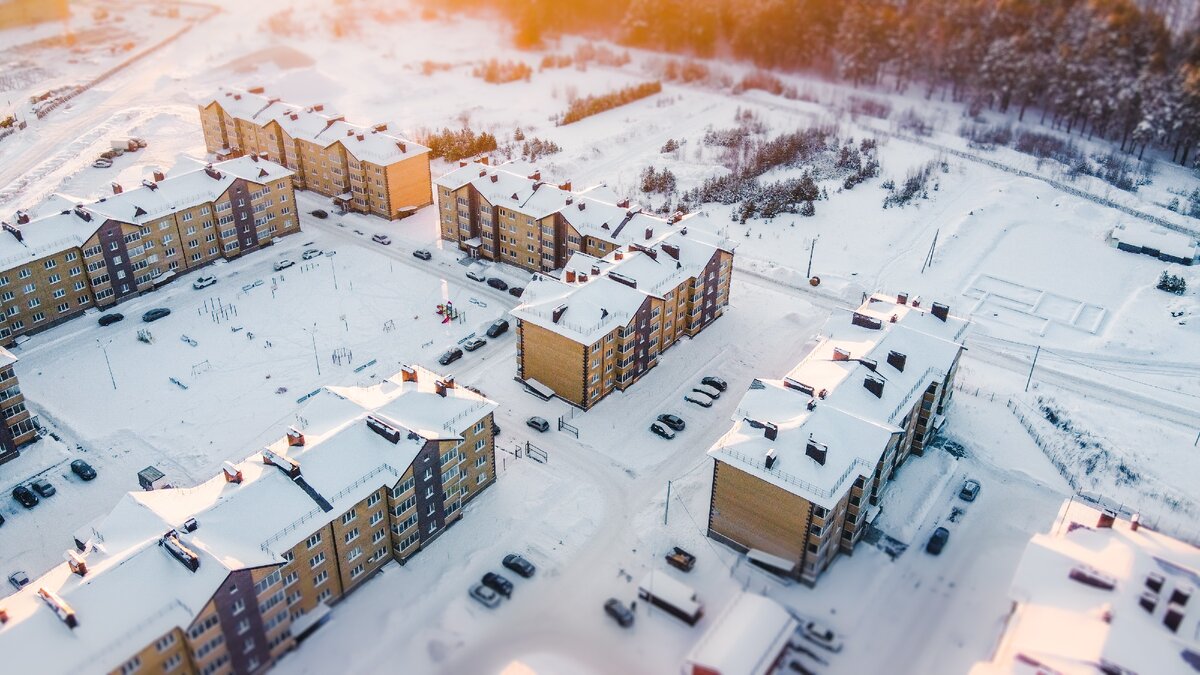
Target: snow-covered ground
{"x":1026,"y":261}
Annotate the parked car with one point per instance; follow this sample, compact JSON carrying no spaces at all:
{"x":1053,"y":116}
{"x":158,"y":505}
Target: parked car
{"x":498,"y":283}
{"x":25,"y":496}
{"x":661,"y":430}
{"x":204,"y":282}
{"x":381,"y":239}
{"x":519,"y":565}
{"x":111,"y":154}
{"x":498,"y":583}
{"x":475,"y":276}
{"x":970,"y":490}
{"x":320,"y":213}
{"x":498,"y":328}
{"x":102,"y":163}
{"x":698,"y":400}
{"x":43,"y":487}
{"x":710,"y":392}
{"x":715,"y":382}
{"x":486,"y":596}
{"x":110,"y":319}
{"x":681,"y":559}
{"x":619,"y":612}
{"x":311,"y":253}
{"x":822,"y":636}
{"x":538,"y":423}
{"x":139,"y":142}
{"x":83,"y":469}
{"x":474,"y":343}
{"x":450,"y":356}
{"x":1,"y":519}
{"x":283,"y":264}
{"x":673,"y":421}
{"x":18,"y":580}
{"x":155,"y":314}
{"x":938,"y":541}
{"x":422,"y":254}
{"x":516,"y":291}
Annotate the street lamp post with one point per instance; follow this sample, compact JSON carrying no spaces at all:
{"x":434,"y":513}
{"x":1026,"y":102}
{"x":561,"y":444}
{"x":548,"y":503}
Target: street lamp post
{"x":313,"y":334}
{"x":104,"y":348}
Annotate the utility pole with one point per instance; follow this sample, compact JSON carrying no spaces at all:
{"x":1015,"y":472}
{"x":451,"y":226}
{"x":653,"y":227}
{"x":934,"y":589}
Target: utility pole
{"x":811,"y":247}
{"x":1032,"y":366}
{"x":929,"y":256}
{"x":313,"y":334}
{"x":667,"y":504}
{"x":104,"y":348}
{"x":333,"y":267}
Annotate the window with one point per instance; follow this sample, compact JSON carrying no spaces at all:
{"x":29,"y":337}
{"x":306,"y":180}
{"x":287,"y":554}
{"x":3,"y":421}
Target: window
{"x":321,"y":578}
{"x":172,"y":663}
{"x":481,"y":478}
{"x":165,"y":642}
{"x":432,"y":528}
{"x":131,"y":666}
{"x":348,"y":516}
{"x":428,"y":472}
{"x":375,"y":518}
{"x":325,"y":595}
{"x":373,"y":499}
{"x":378,"y":536}
{"x":356,"y":572}
{"x":266,"y":582}
{"x":290,"y":579}
{"x":354,"y":554}
{"x":316,"y":560}
{"x":288,"y":557}
{"x":239,"y":606}
{"x":352,"y":535}
{"x":243,"y":626}
{"x":314,"y":540}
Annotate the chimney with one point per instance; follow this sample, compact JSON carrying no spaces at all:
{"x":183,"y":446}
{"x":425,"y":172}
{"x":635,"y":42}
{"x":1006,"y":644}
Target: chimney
{"x":256,"y":90}
{"x":76,"y":562}
{"x":495,"y":178}
{"x":159,"y":175}
{"x":387,"y":431}
{"x":799,"y":386}
{"x":557,"y":313}
{"x":79,"y":211}
{"x":440,"y":387}
{"x":671,"y":250}
{"x":840,"y":354}
{"x":916,"y":302}
{"x":770,"y":431}
{"x":618,"y":255}
{"x":1172,"y":618}
{"x":818,"y":451}
{"x":319,"y":107}
{"x":295,"y":437}
{"x":380,"y":127}
{"x":253,"y":157}
{"x":894,"y":318}
{"x":873,"y":385}
{"x":902,"y":298}
{"x":359,"y":136}
{"x":117,"y":189}
{"x":1135,"y":522}
{"x":179,"y":551}
{"x":896,"y":360}
{"x":231,"y":472}
{"x":61,"y":609}
{"x":15,"y":231}
{"x":1148,"y":601}
{"x":570,"y":276}
{"x":402,"y":145}
{"x":536,"y":175}
{"x":3,"y":616}
{"x":822,"y":394}
{"x":485,"y":160}
{"x":595,"y":270}
{"x":462,"y":163}
{"x":812,"y":404}
{"x":408,"y":374}
{"x":150,"y":184}
{"x":288,"y":465}
{"x":865,"y":321}
{"x":212,"y":173}
{"x":649,"y":232}
{"x":939,"y":310}
{"x":771,"y":458}
{"x":622,"y":279}
{"x":569,"y":201}
{"x":582,"y":205}
{"x":1107,"y":518}
{"x":624,"y":204}
{"x":565,"y":186}
{"x":1154,"y":581}
{"x":22,"y":217}
{"x":583,"y":278}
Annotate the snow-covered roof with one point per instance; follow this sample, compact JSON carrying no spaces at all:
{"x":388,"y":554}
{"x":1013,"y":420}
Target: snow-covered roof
{"x":1063,"y":624}
{"x":1144,"y":235}
{"x":834,"y":413}
{"x":7,"y":358}
{"x":672,"y":591}
{"x":134,"y":590}
{"x":747,"y":638}
{"x":316,"y":125}
{"x":70,"y":227}
{"x":593,"y":296}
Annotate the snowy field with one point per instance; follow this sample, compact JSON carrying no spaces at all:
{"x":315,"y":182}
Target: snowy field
{"x":1027,"y":262}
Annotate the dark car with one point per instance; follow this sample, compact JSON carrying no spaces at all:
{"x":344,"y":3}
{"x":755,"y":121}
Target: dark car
{"x":155,"y":314}
{"x":519,"y":565}
{"x":673,"y":421}
{"x":681,"y":559}
{"x":498,"y":583}
{"x":450,"y":356}
{"x":969,"y":491}
{"x":661,"y":430}
{"x":698,"y":400}
{"x":422,"y":254}
{"x":43,"y":487}
{"x":110,"y":319}
{"x":1,"y":519}
{"x":619,"y":612}
{"x":516,"y":291}
{"x":25,"y":496}
{"x":715,"y":382}
{"x":498,"y":328}
{"x":320,"y":213}
{"x":937,"y":541}
{"x":497,"y":283}
{"x":538,"y":423}
{"x":83,"y":469}
{"x":474,"y":343}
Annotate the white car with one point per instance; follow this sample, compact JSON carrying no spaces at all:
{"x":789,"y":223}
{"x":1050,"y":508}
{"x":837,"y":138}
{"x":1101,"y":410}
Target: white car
{"x":204,"y":282}
{"x":283,"y":264}
{"x":474,"y":275}
{"x":311,"y":253}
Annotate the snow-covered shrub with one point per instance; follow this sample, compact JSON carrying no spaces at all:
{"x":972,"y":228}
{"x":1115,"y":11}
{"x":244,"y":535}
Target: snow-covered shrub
{"x":587,"y":106}
{"x":495,"y":72}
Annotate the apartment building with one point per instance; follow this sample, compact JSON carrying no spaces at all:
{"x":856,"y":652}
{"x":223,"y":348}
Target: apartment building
{"x":69,"y":255}
{"x":225,"y":576}
{"x":602,"y":324}
{"x":509,"y":214}
{"x":797,"y":477}
{"x":17,"y":426}
{"x":15,"y":13}
{"x":1101,"y":593}
{"x":363,"y":169}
